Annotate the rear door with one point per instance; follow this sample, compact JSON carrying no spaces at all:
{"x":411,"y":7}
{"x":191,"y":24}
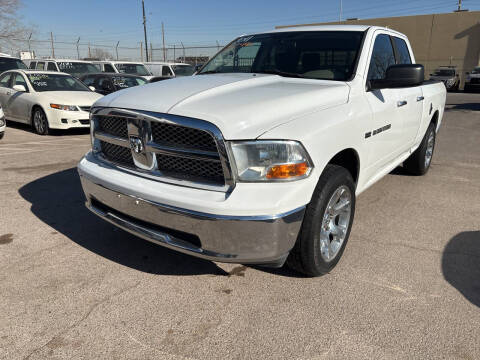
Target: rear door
{"x":410,"y":99}
{"x":383,"y":135}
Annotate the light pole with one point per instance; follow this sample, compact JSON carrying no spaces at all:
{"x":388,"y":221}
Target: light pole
{"x":145,"y":30}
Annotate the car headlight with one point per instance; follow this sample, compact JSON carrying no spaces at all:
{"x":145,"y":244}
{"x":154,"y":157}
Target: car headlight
{"x":450,"y":82}
{"x":270,"y":160}
{"x":2,"y":121}
{"x":64,"y":107}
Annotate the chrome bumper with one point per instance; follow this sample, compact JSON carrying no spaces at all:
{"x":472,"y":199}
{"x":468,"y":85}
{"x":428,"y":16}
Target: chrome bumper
{"x":238,"y":239}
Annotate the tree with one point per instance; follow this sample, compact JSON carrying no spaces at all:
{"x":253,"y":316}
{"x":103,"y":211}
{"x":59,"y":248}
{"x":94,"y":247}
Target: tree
{"x":11,"y":27}
{"x":100,"y":54}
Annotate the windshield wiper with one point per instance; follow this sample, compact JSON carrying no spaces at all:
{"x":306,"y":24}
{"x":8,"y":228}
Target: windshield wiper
{"x":280,"y":73}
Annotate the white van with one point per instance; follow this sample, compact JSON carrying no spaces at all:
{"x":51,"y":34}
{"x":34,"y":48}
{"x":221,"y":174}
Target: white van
{"x":123,"y":67}
{"x":168,"y":70}
{"x":75,"y":68}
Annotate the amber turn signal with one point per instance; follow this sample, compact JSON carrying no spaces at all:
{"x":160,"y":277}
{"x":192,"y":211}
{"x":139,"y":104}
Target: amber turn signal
{"x":287,"y":171}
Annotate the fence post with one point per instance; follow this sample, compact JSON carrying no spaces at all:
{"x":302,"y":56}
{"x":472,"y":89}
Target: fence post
{"x":51,"y":41}
{"x":78,"y":52}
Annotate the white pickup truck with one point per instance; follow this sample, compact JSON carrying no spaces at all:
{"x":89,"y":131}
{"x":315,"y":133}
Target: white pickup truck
{"x":259,"y":157}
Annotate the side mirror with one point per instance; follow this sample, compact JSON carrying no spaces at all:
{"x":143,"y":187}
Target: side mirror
{"x":397,"y":76}
{"x":20,"y":88}
{"x":91,"y":88}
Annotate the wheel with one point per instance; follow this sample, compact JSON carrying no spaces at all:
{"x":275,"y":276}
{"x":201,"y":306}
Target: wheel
{"x":419,"y":162}
{"x":326,"y":225}
{"x":40,"y":122}
{"x":1,"y":135}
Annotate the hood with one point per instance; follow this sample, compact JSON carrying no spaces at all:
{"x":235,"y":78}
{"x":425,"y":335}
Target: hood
{"x":242,"y":106}
{"x":82,"y":98}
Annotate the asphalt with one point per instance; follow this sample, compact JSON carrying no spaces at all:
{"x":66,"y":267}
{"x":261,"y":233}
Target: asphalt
{"x":74,"y":287}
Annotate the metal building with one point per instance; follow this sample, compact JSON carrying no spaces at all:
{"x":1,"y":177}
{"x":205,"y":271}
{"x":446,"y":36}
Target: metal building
{"x":437,"y":39}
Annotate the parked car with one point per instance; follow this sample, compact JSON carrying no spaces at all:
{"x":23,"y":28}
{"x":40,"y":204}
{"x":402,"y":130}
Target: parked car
{"x":3,"y":123}
{"x":123,"y":67}
{"x":165,"y":70}
{"x":259,"y":157}
{"x":8,"y":62}
{"x":46,"y":100}
{"x":472,"y":80}
{"x":75,"y":68}
{"x":448,"y":75}
{"x":106,"y":83}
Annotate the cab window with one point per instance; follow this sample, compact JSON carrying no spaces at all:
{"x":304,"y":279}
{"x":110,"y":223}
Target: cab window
{"x":41,"y":66}
{"x":403,"y":55}
{"x":33,"y":64}
{"x":89,"y":80}
{"x":382,"y":57}
{"x":51,"y":66}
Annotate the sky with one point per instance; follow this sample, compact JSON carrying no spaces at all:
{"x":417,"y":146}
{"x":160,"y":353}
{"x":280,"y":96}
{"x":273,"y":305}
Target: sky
{"x":201,"y":22}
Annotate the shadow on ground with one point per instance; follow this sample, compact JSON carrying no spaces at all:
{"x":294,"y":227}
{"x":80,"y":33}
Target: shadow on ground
{"x":53,"y":132}
{"x":461,"y":264}
{"x":58,"y":200}
{"x":465,"y":106}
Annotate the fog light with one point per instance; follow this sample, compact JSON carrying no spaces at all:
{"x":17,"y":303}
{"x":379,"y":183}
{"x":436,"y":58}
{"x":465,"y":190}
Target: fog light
{"x":64,"y":121}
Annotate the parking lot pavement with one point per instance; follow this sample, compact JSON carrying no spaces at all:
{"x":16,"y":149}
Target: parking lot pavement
{"x":408,"y":286}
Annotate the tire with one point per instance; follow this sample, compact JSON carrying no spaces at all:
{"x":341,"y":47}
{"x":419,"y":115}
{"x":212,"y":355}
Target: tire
{"x":419,"y":162}
{"x":1,"y":135}
{"x":40,"y":122}
{"x":309,"y":255}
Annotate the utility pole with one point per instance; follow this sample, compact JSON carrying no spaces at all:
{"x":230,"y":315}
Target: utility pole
{"x":53,"y":49}
{"x":89,"y":52}
{"x":163,"y":41}
{"x":29,"y":46}
{"x":459,"y":5}
{"x":141,"y":50}
{"x":341,"y":10}
{"x":183,"y":51}
{"x":145,"y":31}
{"x":78,"y":52}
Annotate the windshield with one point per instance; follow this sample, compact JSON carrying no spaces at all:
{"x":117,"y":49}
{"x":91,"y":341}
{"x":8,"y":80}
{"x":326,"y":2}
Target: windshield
{"x":444,"y":72}
{"x":476,"y":70}
{"x":123,"y":82}
{"x":183,"y":70}
{"x":55,"y":82}
{"x":327,"y":55}
{"x":77,"y":68}
{"x":10,"y":64}
{"x":136,"y":69}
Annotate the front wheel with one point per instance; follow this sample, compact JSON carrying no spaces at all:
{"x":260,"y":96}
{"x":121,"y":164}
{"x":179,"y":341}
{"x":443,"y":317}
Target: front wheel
{"x":419,"y":162}
{"x":327,"y":224}
{"x":1,"y":135}
{"x":40,"y":122}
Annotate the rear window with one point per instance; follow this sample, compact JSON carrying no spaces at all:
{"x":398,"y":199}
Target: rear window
{"x":10,"y":64}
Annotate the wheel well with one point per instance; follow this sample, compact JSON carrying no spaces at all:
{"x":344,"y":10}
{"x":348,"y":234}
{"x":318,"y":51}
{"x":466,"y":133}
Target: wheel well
{"x":33,"y":111}
{"x":435,"y":119}
{"x":348,"y":159}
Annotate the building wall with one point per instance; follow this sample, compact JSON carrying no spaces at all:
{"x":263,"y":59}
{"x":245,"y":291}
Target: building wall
{"x":437,"y":39}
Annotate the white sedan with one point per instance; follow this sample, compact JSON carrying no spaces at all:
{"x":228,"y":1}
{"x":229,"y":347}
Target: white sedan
{"x":46,"y":100}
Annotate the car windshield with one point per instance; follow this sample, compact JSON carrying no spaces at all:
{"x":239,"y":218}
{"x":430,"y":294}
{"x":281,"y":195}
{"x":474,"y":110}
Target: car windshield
{"x":55,"y":82}
{"x":123,"y":82}
{"x":444,"y":72}
{"x":183,"y":70}
{"x":136,"y":69}
{"x":10,"y":64}
{"x":76,"y":68}
{"x":476,"y":70}
{"x":327,"y":55}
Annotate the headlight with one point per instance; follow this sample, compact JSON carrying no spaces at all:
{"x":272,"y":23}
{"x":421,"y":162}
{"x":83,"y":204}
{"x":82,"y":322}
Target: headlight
{"x":2,"y":121}
{"x":64,"y":107}
{"x":450,"y":82}
{"x":270,"y":160}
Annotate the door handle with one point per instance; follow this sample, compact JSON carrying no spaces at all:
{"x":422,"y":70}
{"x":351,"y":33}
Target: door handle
{"x":420,"y":98}
{"x":402,"y":103}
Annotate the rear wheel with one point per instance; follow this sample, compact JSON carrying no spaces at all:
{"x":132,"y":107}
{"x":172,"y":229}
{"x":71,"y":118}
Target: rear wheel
{"x":327,"y":224}
{"x":1,"y":135}
{"x":419,"y":162}
{"x":40,"y":122}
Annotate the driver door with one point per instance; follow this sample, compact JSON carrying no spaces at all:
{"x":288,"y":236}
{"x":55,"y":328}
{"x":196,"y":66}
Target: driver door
{"x":19,"y":101}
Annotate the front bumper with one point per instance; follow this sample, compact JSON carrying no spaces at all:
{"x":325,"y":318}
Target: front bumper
{"x":238,"y":239}
{"x":61,"y":119}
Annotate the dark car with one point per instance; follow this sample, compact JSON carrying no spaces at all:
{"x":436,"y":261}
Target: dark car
{"x":8,"y":62}
{"x":448,"y":75}
{"x":106,"y":83}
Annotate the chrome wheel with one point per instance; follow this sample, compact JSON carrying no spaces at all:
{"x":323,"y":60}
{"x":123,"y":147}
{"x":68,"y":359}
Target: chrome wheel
{"x":335,"y":223}
{"x":429,"y":150}
{"x":40,"y":122}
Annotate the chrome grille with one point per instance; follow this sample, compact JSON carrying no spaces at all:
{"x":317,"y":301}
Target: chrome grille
{"x":168,"y":148}
{"x":116,"y":153}
{"x":113,"y":125}
{"x":192,"y":169}
{"x":174,"y":135}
